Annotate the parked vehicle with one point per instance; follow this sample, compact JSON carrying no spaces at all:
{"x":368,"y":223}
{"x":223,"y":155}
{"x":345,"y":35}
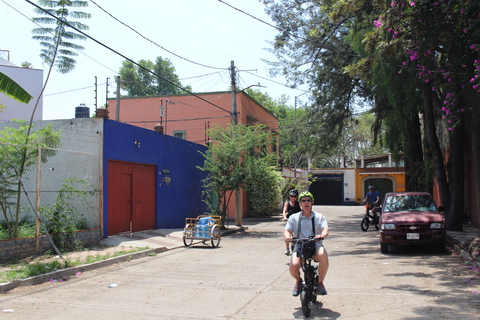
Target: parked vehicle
{"x":411,"y":218}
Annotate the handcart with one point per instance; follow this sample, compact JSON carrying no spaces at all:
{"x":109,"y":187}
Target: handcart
{"x":203,"y":227}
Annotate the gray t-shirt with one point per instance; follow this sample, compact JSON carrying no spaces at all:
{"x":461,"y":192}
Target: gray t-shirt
{"x":306,"y":224}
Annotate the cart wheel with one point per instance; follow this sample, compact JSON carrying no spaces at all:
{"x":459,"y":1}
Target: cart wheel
{"x":215,"y":236}
{"x":188,"y":235}
{"x":187,"y":242}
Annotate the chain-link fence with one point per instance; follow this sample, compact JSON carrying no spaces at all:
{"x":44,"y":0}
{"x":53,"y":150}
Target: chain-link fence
{"x":65,"y":180}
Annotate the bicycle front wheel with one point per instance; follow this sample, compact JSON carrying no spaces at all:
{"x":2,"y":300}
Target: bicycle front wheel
{"x":306,"y":303}
{"x":365,"y":224}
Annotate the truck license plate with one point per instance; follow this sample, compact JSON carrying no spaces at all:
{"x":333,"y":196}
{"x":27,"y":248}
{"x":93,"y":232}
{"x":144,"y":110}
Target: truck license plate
{"x":413,"y":236}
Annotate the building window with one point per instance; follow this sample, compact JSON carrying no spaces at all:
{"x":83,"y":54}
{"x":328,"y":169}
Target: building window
{"x":179,"y":134}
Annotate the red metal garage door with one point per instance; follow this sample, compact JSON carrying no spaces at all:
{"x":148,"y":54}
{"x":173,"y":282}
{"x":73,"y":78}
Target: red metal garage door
{"x":131,"y":197}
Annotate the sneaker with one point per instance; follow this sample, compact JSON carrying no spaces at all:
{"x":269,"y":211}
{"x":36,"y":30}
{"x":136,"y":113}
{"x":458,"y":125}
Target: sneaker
{"x":287,"y":252}
{"x":296,"y":290}
{"x":321,"y":290}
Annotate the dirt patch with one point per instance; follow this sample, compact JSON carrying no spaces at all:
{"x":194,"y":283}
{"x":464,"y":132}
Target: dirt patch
{"x":95,"y":253}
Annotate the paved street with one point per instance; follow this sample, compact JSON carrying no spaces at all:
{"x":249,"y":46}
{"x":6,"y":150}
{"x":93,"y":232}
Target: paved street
{"x":247,"y":278}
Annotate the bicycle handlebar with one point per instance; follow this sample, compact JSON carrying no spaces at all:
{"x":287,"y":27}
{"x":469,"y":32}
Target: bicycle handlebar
{"x":295,"y":239}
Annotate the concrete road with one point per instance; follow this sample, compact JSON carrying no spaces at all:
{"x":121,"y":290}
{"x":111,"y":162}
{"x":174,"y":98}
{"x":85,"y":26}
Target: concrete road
{"x":247,"y":278}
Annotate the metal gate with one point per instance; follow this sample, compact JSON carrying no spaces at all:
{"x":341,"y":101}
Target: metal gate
{"x":327,"y":190}
{"x":131,"y":197}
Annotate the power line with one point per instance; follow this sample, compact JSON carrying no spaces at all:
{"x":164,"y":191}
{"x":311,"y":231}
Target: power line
{"x":251,"y":16}
{"x":333,"y":49}
{"x":151,"y":41}
{"x":176,"y":120}
{"x":126,"y":58}
{"x":282,"y":84}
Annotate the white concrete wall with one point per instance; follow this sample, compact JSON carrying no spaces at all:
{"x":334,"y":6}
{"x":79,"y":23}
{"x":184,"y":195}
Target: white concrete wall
{"x":29,"y":79}
{"x":79,"y":156}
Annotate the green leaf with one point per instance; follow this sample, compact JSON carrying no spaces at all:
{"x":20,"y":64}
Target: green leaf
{"x":13,"y":89}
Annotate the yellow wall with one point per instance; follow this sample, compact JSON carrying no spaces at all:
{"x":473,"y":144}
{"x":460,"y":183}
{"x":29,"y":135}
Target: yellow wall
{"x":398,"y":179}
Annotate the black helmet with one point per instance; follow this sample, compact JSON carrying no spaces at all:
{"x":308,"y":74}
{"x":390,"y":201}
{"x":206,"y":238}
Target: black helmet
{"x":293,"y":192}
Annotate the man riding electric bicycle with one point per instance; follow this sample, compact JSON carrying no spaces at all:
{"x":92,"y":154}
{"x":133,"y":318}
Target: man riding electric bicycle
{"x":303,"y":225}
{"x":373,"y":200}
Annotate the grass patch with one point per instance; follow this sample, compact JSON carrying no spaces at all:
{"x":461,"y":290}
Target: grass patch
{"x":23,"y":270}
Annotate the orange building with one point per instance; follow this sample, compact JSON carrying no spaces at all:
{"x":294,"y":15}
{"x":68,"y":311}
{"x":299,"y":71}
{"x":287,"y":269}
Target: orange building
{"x":189,"y":117}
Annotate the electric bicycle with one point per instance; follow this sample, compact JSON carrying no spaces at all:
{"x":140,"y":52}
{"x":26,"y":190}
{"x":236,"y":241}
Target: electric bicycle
{"x":308,"y":289}
{"x":369,"y":220}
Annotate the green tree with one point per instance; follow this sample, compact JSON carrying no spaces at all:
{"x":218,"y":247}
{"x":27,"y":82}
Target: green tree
{"x":234,"y":160}
{"x":406,"y":59}
{"x":17,"y":150}
{"x":57,"y":52}
{"x":437,"y":42}
{"x":137,"y":81}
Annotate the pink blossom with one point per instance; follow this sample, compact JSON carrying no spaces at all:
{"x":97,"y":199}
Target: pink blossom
{"x":412,"y":3}
{"x":433,"y":88}
{"x":451,"y":129}
{"x":472,"y":46}
{"x":465,"y":30}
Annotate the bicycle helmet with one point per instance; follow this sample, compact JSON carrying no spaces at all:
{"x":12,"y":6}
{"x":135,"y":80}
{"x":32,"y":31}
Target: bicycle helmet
{"x":370,"y":187}
{"x":293,"y":192}
{"x":306,"y":194}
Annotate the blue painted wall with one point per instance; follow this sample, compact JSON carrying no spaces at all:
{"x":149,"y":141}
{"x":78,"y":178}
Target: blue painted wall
{"x":182,"y":198}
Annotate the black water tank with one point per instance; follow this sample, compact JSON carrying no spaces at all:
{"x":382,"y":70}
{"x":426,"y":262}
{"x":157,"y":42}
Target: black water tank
{"x":82,"y":111}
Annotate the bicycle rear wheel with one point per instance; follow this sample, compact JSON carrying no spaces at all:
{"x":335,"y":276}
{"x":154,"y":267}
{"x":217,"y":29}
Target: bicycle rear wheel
{"x":305,"y":296}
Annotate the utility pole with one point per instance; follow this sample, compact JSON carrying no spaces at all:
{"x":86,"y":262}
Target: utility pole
{"x":95,"y":94}
{"x":106,"y":95}
{"x":166,"y":104}
{"x":234,"y":93}
{"x":238,"y":203}
{"x":117,"y":106}
{"x":295,"y":130}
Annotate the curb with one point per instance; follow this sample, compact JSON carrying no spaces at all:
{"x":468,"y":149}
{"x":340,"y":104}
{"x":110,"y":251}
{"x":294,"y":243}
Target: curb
{"x":63,"y":273}
{"x":457,"y":246}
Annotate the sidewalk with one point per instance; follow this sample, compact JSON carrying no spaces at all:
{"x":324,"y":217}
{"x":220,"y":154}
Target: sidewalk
{"x":156,"y":241}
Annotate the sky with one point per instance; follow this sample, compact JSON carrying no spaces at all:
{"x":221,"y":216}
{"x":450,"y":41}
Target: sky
{"x":202,"y":38}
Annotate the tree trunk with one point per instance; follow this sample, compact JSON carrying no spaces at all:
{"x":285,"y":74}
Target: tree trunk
{"x":415,"y":170}
{"x":457,"y":183}
{"x":473,"y":116}
{"x":436,"y":151}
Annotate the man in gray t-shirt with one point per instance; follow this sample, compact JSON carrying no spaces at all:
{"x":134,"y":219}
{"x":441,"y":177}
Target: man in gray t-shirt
{"x":310,"y":222}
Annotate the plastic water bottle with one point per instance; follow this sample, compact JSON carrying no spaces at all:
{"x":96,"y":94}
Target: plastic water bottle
{"x":196,"y":230}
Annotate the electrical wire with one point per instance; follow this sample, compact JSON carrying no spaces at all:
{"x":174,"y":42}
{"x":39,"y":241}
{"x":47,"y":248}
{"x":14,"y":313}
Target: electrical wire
{"x":126,"y":58}
{"x":151,"y":41}
{"x":333,"y":49}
